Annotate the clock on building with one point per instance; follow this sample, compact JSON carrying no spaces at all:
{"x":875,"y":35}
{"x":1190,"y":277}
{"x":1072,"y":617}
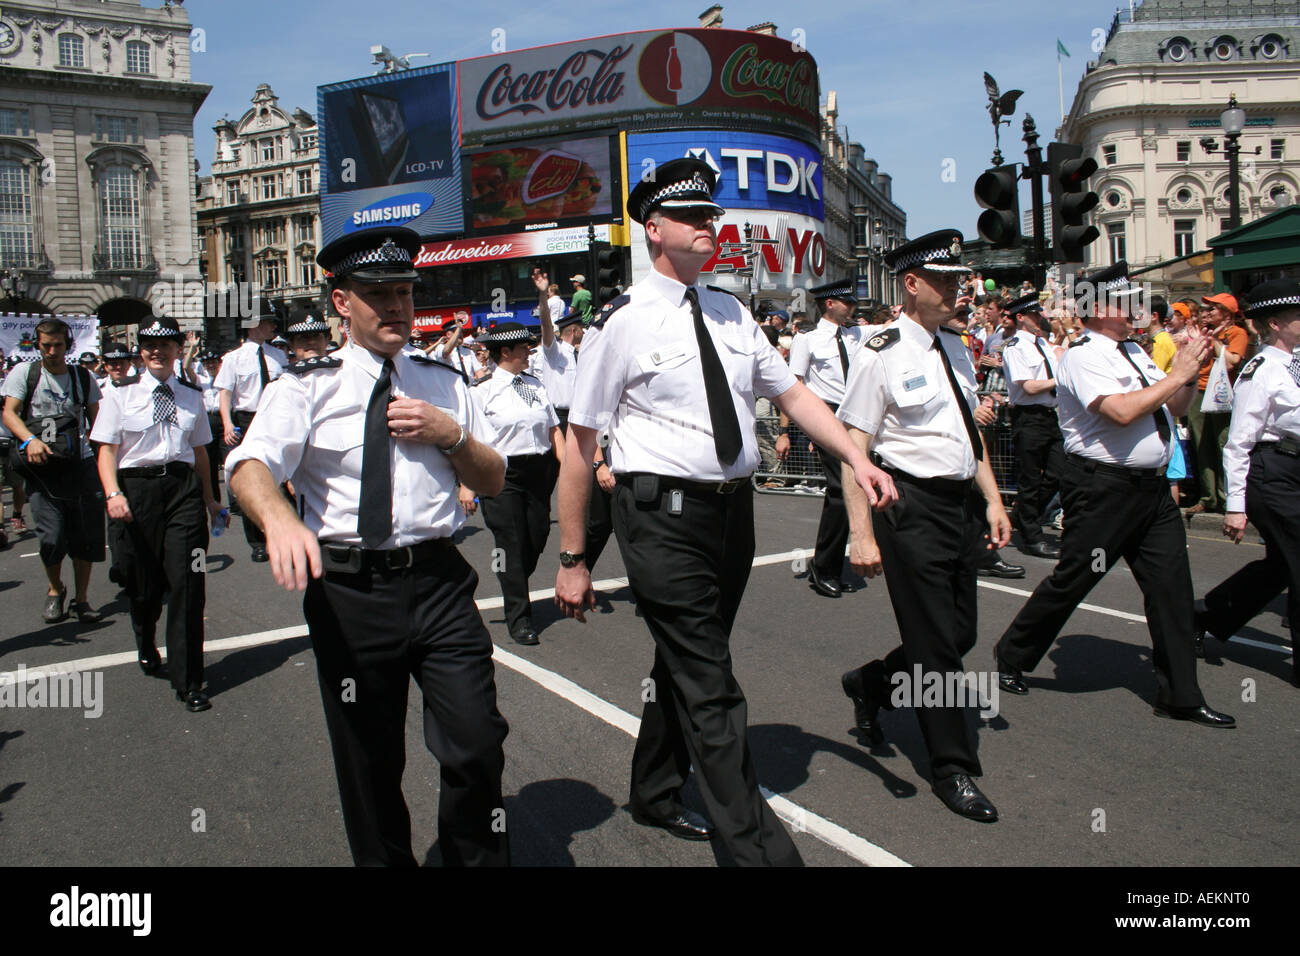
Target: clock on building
{"x":9,"y":38}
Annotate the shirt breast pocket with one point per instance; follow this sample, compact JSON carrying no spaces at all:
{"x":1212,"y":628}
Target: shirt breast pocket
{"x":738,"y":358}
{"x":187,"y":420}
{"x":913,"y":393}
{"x":341,"y":442}
{"x":674,"y":377}
{"x":138,"y":421}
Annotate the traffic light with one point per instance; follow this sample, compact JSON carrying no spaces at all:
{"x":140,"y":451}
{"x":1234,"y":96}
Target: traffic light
{"x":998,"y":191}
{"x":609,"y":273}
{"x":1067,"y":173}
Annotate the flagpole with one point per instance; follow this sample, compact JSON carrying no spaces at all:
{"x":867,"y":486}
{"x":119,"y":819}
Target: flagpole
{"x":1060,"y":85}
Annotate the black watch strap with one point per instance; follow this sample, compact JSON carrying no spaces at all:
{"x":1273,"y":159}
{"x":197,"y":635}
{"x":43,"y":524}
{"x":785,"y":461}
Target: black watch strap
{"x":569,"y":559}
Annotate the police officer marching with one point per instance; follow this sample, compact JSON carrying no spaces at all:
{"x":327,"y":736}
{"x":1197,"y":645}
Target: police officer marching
{"x":1117,"y":414}
{"x":375,"y":437}
{"x":909,"y":400}
{"x":517,"y":407}
{"x":1029,"y":367}
{"x":1261,"y":462}
{"x":673,"y":369}
{"x":154,"y":468}
{"x":820,"y":359}
{"x":117,"y":366}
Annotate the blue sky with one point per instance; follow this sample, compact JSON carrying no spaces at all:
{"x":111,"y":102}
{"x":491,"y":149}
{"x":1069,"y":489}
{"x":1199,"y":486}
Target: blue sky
{"x":909,"y":75}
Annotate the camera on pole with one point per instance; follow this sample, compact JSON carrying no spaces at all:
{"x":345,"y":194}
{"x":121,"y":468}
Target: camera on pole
{"x":998,"y":191}
{"x":1068,"y":172}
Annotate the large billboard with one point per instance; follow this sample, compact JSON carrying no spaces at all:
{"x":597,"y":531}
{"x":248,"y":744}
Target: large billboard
{"x":548,"y":242}
{"x":390,"y":154}
{"x":644,"y":80}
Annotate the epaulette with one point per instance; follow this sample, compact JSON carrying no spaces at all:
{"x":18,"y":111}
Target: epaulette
{"x":1250,"y":368}
{"x":1078,"y":341}
{"x":479,"y":381}
{"x":950,"y":331}
{"x":189,"y":384}
{"x":882,"y":339}
{"x":718,"y":288}
{"x":312,"y":364}
{"x":421,"y":359}
{"x":530,"y":375}
{"x":123,"y":383}
{"x":610,"y":307}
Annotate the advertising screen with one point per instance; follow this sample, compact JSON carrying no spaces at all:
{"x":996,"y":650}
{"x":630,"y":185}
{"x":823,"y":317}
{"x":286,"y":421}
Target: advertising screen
{"x":543,"y":184}
{"x":390,"y":153}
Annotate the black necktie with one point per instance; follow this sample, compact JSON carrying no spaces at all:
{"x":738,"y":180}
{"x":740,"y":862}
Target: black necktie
{"x":722,"y":411}
{"x":375,"y":515}
{"x":844,"y":353}
{"x":164,"y":404}
{"x":972,"y":433}
{"x":261,"y":368}
{"x":1047,"y":362}
{"x":1162,"y":422}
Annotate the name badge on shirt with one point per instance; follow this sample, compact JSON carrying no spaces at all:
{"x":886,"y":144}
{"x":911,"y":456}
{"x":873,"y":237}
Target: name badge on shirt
{"x":913,"y":383}
{"x":668,"y":352}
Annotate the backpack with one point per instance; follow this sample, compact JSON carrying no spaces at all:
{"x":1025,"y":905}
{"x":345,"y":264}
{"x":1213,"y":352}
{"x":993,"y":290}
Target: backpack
{"x":62,"y":433}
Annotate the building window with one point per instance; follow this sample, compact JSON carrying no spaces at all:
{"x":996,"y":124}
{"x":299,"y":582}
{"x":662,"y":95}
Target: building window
{"x":119,"y":199}
{"x":14,"y":123}
{"x":1178,"y":49}
{"x":117,"y":129}
{"x":15,"y":215}
{"x":1115,"y":237}
{"x":137,"y":56}
{"x":72,"y":50}
{"x":1184,"y":195}
{"x":1223,"y":226}
{"x":268,"y":187}
{"x":1184,"y":237}
{"x":1224,"y":48}
{"x":1270,"y":48}
{"x":1108,"y":154}
{"x":270,"y":273}
{"x":1276,"y":148}
{"x":1184,"y":150}
{"x":232,"y":194}
{"x":304,"y":229}
{"x":304,"y":182}
{"x":1113,"y":199}
{"x":308,"y":141}
{"x":306,"y":271}
{"x":267,"y":149}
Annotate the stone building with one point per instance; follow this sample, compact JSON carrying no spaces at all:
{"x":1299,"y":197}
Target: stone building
{"x":96,"y":155}
{"x":259,"y":211}
{"x":1148,"y":111}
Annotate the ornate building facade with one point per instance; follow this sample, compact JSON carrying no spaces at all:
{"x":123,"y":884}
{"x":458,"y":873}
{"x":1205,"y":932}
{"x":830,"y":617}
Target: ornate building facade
{"x":96,"y":155}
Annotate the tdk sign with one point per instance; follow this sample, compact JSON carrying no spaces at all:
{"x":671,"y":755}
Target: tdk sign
{"x":392,"y":210}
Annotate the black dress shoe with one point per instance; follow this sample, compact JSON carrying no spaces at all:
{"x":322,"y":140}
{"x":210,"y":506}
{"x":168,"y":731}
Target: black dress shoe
{"x":963,"y":798}
{"x":1000,"y":569}
{"x":682,"y":823}
{"x":527,"y":636}
{"x":1041,"y":549}
{"x":259,"y":554}
{"x":1198,"y":644}
{"x":866,"y":706}
{"x":195,"y":700}
{"x":826,"y":587}
{"x":150,"y":661}
{"x":1010,"y":679}
{"x":1199,"y":715}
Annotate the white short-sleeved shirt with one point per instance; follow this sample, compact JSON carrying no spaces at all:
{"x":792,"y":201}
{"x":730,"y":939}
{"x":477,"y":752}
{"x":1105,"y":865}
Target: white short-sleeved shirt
{"x":312,"y":429}
{"x":641,"y":375}
{"x":126,"y":419}
{"x":462,"y":359}
{"x":815,"y":358}
{"x":898,"y":392}
{"x":54,"y":396}
{"x":1265,"y":407}
{"x":521,"y":428}
{"x":1091,"y":369}
{"x":558,"y":371}
{"x":241,"y":375}
{"x":1022,"y":362}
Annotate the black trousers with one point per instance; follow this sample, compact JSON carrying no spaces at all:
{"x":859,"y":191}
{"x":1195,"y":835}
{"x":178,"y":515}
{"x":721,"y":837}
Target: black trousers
{"x":600,"y":523}
{"x":372,"y":632}
{"x":1108,"y":517}
{"x":833,"y":529}
{"x":1040,"y":456}
{"x":1273,"y":506}
{"x":156,"y":552}
{"x":216,"y":452}
{"x":688,"y":573}
{"x":929,"y":545}
{"x":520,"y":520}
{"x":252,"y":533}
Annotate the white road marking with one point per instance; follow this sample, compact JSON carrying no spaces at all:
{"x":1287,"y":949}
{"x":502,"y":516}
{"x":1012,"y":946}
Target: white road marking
{"x":31,"y":555}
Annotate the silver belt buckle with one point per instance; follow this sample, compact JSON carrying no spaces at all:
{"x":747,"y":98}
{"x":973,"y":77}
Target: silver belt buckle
{"x":410,"y":558}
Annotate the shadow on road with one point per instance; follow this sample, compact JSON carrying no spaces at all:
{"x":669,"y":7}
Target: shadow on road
{"x":783,"y":752}
{"x":8,"y":790}
{"x":242,"y":666}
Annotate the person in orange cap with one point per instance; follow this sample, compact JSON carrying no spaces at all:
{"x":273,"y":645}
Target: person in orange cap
{"x":1209,"y":430}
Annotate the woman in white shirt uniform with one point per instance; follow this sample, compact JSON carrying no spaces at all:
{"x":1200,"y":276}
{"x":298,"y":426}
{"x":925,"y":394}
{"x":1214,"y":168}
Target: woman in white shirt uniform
{"x":516,"y":405}
{"x":1261,"y":462}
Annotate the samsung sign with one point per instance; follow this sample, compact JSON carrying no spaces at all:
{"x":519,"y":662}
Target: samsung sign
{"x":391,"y":211}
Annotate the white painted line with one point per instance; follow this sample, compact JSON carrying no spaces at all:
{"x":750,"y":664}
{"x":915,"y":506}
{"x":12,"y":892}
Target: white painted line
{"x":1096,"y":609}
{"x":31,"y":555}
{"x":573,"y":693}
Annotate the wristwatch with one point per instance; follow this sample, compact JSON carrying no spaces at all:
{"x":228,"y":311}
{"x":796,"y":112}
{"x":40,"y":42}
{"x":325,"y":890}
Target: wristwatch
{"x":595,"y":465}
{"x":460,"y":443}
{"x":569,"y":560}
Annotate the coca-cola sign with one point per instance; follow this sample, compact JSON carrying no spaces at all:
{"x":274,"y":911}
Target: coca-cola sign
{"x":648,"y":80}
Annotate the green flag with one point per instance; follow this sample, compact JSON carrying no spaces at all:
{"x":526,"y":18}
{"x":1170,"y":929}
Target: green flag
{"x":1060,"y":48}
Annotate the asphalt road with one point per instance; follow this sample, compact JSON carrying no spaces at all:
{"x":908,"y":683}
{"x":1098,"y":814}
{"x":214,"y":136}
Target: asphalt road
{"x":1081,"y":771}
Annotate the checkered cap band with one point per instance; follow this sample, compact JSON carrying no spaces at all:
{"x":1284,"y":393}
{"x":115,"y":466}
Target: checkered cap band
{"x":309,"y":324}
{"x":836,"y":290}
{"x":697,"y":187}
{"x":922,"y":257}
{"x":158,"y":331}
{"x":390,"y":253}
{"x":510,"y":335}
{"x":1274,"y":303}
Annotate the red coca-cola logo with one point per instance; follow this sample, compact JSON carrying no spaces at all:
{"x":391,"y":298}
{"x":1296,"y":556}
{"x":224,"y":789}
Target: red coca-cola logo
{"x":585,"y":78}
{"x":675,"y":68}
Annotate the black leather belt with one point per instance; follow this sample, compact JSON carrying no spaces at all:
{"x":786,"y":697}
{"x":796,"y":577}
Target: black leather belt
{"x":728,"y":487}
{"x":1284,"y":446}
{"x":953,"y":487}
{"x":156,"y":471}
{"x":1102,"y":468}
{"x":350,"y":558}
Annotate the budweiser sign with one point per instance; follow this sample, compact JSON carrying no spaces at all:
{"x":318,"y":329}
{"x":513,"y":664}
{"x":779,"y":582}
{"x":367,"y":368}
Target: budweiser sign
{"x":515,"y":245}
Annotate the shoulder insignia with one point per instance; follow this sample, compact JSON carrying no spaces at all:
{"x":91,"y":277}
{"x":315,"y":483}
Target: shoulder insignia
{"x":718,"y":288}
{"x":124,"y":382}
{"x":188,"y":384}
{"x":480,"y":381}
{"x":944,"y":328}
{"x":882,"y":339}
{"x":527,"y":374}
{"x":1250,"y":368}
{"x":610,"y":307}
{"x":419,"y":358}
{"x":313,"y":364}
{"x":1079,"y":341}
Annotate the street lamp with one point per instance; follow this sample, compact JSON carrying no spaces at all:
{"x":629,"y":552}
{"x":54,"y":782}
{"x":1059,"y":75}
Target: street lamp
{"x":1233,"y":121}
